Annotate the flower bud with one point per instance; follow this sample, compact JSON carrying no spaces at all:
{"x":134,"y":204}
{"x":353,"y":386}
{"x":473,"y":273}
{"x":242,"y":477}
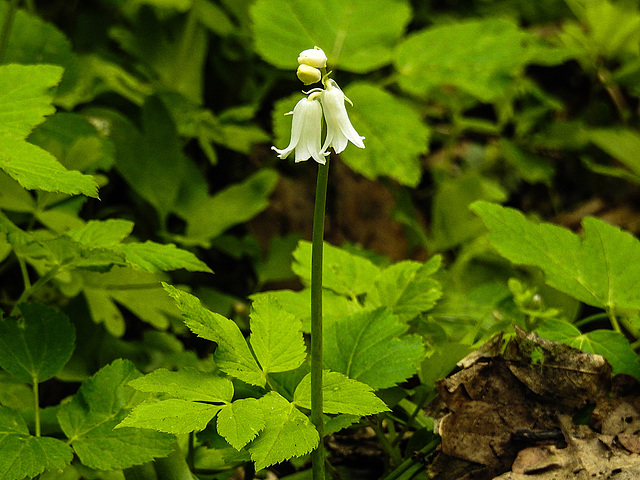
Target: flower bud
{"x":308,"y":75}
{"x":314,"y":57}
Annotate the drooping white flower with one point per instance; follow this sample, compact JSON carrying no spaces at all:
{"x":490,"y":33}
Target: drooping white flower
{"x":308,"y":75}
{"x":339,"y":128}
{"x":306,"y":130}
{"x":314,"y":57}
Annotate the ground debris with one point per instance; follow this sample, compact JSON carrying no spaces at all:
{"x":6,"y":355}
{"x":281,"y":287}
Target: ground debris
{"x":510,"y":416}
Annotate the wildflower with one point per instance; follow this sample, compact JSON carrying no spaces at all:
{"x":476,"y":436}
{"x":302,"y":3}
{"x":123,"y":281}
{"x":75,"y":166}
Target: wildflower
{"x":306,"y":130}
{"x":308,"y":75}
{"x":314,"y":57}
{"x":339,"y":128}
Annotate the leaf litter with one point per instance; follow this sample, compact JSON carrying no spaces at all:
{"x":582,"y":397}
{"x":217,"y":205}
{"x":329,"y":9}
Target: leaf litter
{"x":536,"y":410}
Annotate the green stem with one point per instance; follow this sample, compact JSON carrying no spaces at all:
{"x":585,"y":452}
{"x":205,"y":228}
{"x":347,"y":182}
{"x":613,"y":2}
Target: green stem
{"x":29,"y":291}
{"x":317,"y":456}
{"x":393,"y":452}
{"x":591,"y":318}
{"x":614,"y":321}
{"x":5,"y":33}
{"x":36,"y":406}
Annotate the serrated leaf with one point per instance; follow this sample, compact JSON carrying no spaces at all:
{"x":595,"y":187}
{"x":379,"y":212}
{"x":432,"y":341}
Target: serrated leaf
{"x":240,"y":422}
{"x":276,"y":336}
{"x":174,"y":415}
{"x":23,"y":455}
{"x":287,"y":433}
{"x":36,"y":348}
{"x":283,"y":28}
{"x":232,"y":355}
{"x":370,"y":347}
{"x":406,"y":288}
{"x":391,"y":152}
{"x":613,"y":346}
{"x":35,"y":168}
{"x":88,"y":420}
{"x":343,"y":272}
{"x":599,"y":269}
{"x":479,"y":57}
{"x":102,"y":233}
{"x":186,"y":384}
{"x":340,"y":394}
{"x":155,"y":257}
{"x":139,"y":292}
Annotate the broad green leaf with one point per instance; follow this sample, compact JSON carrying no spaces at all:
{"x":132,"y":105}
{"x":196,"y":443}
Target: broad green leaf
{"x":370,"y":347}
{"x":155,"y":257}
{"x":613,"y":346}
{"x":392,"y":152}
{"x":480,"y":57}
{"x":186,"y":384}
{"x":174,"y":415}
{"x":276,"y":336}
{"x":340,"y":394}
{"x":406,"y":288}
{"x":287,"y":432}
{"x":23,"y":455}
{"x":452,"y":222}
{"x":102,"y":233}
{"x":13,"y":197}
{"x":441,"y":360}
{"x":232,"y":355}
{"x":209,"y":216}
{"x":88,"y":420}
{"x":240,"y":422}
{"x":623,"y":145}
{"x":283,"y":28}
{"x":34,"y":168}
{"x":599,"y":269}
{"x":139,"y":292}
{"x":25,"y":97}
{"x":343,"y":272}
{"x":298,"y":304}
{"x":36,"y":347}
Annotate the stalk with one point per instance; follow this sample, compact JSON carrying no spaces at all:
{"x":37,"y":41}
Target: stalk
{"x":36,"y":407}
{"x":317,"y":456}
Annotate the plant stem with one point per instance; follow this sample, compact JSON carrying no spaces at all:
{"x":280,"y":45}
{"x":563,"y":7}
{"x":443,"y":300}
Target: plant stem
{"x":36,"y":406}
{"x":5,"y":33}
{"x":317,"y":456}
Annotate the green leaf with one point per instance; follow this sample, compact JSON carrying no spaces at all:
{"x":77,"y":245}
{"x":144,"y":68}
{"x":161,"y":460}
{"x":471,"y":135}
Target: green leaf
{"x":89,"y":419}
{"x":174,"y":415}
{"x":102,"y":233}
{"x":276,"y":337}
{"x":613,"y":346}
{"x":600,"y":269}
{"x":186,"y":384}
{"x":232,"y":355}
{"x":283,"y":28}
{"x":392,"y":152}
{"x":287,"y":433}
{"x":623,"y":145}
{"x":452,"y":222}
{"x":370,"y":347}
{"x":240,"y":422}
{"x":343,"y":272}
{"x":209,"y":216}
{"x":340,"y":395}
{"x":139,"y":292}
{"x":35,"y":168}
{"x":155,"y":257}
{"x":25,"y":99}
{"x":23,"y":455}
{"x":35,"y":348}
{"x":406,"y":288}
{"x":480,"y":57}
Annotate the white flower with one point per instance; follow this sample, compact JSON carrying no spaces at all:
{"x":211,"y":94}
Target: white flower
{"x":306,"y":130}
{"x":314,"y":57}
{"x":308,"y":75}
{"x":339,"y":128}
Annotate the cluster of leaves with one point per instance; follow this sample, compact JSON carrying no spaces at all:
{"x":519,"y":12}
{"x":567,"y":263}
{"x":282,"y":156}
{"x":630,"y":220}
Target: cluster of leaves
{"x":161,"y":108}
